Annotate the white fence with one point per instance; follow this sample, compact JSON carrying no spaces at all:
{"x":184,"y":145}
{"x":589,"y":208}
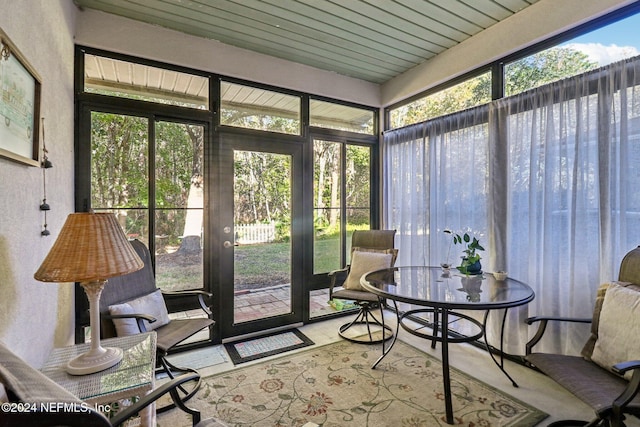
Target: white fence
{"x":255,"y":233}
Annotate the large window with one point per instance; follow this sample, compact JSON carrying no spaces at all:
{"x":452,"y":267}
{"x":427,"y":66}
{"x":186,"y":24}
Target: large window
{"x":564,"y":56}
{"x":342,"y":197}
{"x":204,"y":169}
{"x":161,"y":206}
{"x":546,"y":178}
{"x":469,"y":93}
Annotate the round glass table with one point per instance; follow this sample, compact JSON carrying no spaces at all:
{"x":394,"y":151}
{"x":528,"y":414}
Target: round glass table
{"x":440,"y":293}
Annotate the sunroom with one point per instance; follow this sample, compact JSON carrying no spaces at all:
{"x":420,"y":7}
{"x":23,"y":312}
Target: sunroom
{"x":245,"y":168}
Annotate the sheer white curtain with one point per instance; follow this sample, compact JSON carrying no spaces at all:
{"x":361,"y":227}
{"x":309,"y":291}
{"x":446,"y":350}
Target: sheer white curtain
{"x":436,"y":178}
{"x":550,"y":181}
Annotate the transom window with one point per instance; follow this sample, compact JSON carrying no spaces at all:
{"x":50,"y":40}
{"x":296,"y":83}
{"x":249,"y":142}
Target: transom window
{"x":254,"y":108}
{"x":114,"y":77}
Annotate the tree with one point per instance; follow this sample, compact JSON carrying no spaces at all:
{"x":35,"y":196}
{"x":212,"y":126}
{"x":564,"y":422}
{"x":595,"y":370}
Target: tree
{"x":119,"y":167}
{"x":543,"y":67}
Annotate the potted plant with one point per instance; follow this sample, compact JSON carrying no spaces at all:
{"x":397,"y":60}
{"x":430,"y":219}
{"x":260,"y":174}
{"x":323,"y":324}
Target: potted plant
{"x":471,"y":260}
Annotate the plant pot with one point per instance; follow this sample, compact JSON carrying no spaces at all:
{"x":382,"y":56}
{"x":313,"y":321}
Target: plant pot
{"x":475,"y":268}
{"x":471,"y":269}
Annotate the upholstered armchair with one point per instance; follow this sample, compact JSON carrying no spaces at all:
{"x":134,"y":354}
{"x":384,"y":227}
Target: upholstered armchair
{"x":370,"y":250}
{"x":606,"y":375}
{"x":131,"y":304}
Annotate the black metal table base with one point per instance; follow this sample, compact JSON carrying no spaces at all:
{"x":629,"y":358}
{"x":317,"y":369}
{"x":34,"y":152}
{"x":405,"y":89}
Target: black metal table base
{"x":441,"y":334}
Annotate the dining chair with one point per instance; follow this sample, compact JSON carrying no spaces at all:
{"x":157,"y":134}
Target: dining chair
{"x":370,"y":250}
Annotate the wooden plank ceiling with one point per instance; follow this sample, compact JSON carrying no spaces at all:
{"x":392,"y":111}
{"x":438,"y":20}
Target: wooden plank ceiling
{"x":372,"y":40}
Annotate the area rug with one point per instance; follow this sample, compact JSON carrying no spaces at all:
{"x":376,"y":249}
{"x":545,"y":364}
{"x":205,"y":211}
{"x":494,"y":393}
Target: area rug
{"x":334,"y":385}
{"x":257,"y":348}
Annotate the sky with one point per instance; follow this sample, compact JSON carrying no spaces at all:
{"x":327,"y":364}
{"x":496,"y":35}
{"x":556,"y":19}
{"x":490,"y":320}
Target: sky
{"x":611,"y":43}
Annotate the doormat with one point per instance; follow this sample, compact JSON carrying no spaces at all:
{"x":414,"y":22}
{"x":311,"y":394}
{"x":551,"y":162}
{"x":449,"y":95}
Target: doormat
{"x":257,"y":348}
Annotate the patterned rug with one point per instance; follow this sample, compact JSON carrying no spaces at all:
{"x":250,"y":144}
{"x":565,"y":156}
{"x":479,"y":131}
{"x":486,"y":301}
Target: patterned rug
{"x":257,"y":348}
{"x":334,"y":385}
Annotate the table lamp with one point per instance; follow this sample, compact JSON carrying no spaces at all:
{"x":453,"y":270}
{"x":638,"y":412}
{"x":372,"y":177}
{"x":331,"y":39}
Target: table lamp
{"x":90,"y":249}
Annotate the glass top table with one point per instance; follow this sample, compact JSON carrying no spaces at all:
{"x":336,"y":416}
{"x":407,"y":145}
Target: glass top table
{"x":440,"y":293}
{"x":133,"y":376}
{"x":433,"y":287}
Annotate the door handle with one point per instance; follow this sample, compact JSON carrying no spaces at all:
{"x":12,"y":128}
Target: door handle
{"x":227,"y":244}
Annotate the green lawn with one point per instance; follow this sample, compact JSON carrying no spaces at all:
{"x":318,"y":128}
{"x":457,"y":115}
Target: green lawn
{"x":258,"y":265}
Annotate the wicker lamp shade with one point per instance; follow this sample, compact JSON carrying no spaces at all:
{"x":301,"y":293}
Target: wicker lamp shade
{"x":90,"y":249}
{"x":91,"y":246}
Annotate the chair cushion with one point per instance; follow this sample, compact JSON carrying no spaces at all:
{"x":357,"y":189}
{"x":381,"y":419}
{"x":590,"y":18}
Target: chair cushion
{"x":586,"y":380}
{"x":350,"y":294}
{"x":179,"y":330}
{"x":364,"y":261}
{"x":28,"y":384}
{"x":618,"y":328}
{"x":152,"y":304}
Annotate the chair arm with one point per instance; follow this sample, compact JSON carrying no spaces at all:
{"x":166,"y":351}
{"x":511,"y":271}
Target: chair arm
{"x":138,"y":316}
{"x":629,"y":393}
{"x":543,"y":327}
{"x":168,"y":387}
{"x":195,"y":293}
{"x":187,"y":292}
{"x":622,"y":367}
{"x":337,"y":276}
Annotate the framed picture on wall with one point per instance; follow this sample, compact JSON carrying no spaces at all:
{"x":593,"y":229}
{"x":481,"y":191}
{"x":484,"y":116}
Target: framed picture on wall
{"x":19,"y":106}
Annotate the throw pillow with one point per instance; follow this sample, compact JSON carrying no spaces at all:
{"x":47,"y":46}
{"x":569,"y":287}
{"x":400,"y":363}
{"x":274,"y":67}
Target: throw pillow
{"x":126,"y":326}
{"x":618,"y":328}
{"x":363,"y":262}
{"x":152,"y":304}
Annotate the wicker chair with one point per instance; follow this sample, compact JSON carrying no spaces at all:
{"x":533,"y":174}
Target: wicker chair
{"x":370,"y":246}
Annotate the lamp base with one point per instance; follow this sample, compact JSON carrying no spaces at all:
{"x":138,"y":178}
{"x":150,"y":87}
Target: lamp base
{"x":94,"y":360}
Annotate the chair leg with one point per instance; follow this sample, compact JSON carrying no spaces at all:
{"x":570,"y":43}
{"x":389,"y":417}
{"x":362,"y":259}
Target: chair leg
{"x":170,"y":369}
{"x":367,"y":318}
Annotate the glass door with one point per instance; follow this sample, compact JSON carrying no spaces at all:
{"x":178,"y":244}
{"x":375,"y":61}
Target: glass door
{"x":260,"y":283}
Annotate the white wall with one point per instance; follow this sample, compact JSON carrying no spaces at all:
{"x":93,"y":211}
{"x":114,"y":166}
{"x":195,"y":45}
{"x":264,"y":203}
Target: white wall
{"x":35,"y":316}
{"x":116,"y":34}
{"x":535,"y":23}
